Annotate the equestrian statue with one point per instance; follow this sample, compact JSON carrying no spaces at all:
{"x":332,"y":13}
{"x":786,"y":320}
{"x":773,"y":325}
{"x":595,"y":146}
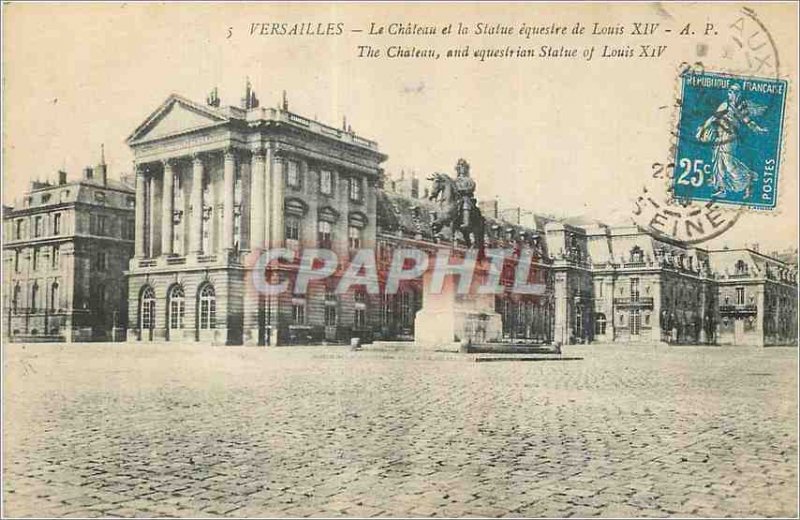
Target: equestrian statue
{"x":459,"y":208}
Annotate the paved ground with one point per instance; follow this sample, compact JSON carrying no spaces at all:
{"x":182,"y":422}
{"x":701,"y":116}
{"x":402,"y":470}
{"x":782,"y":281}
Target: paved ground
{"x":318,"y":431}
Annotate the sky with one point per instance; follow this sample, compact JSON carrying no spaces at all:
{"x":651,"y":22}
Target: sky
{"x":555,"y":136}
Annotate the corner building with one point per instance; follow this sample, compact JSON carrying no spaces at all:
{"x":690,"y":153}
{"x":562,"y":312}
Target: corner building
{"x":214,"y":187}
{"x":66,"y":247}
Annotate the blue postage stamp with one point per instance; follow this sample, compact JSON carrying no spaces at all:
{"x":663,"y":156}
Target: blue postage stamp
{"x":729,"y":139}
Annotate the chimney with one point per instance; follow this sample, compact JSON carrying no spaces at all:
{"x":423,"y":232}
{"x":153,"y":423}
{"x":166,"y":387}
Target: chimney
{"x":102,"y":168}
{"x":62,"y":177}
{"x":88,"y":173}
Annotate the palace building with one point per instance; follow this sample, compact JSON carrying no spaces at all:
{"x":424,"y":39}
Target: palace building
{"x":66,"y":247}
{"x":217,"y":185}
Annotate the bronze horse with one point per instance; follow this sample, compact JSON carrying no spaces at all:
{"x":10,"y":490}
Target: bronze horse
{"x":469,"y":223}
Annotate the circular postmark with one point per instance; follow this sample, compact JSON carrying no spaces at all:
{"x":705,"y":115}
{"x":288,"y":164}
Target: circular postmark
{"x":748,"y":51}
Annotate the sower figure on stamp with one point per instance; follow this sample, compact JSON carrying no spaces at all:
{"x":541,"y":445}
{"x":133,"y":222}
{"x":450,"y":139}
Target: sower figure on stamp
{"x":723,"y":130}
{"x":461,"y":210}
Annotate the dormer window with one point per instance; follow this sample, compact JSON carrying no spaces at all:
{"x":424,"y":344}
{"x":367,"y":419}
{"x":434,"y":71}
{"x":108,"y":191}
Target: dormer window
{"x":637,"y":256}
{"x":741,"y":267}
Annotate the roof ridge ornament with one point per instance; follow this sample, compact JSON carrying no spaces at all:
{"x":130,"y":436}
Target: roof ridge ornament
{"x":212,"y":99}
{"x":249,"y":100}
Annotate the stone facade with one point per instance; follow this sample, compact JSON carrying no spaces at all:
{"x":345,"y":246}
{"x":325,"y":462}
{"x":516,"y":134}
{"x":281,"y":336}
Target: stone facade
{"x":216,"y":186}
{"x":757,"y":298}
{"x":67,"y":245}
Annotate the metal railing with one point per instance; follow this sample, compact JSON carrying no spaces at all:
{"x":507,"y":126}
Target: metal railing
{"x":642,"y":301}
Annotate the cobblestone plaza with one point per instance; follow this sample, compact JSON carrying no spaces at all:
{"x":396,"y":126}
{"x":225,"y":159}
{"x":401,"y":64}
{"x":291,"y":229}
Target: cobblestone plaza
{"x":166,"y":430}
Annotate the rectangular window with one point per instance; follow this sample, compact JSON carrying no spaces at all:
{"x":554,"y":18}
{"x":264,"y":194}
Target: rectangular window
{"x":292,"y":232}
{"x":57,"y":224}
{"x":130,"y":229}
{"x":635,"y":289}
{"x":102,"y":222}
{"x":292,"y":174}
{"x":636,"y":322}
{"x":360,"y":318}
{"x":324,"y":235}
{"x":355,"y":189}
{"x":740,"y":296}
{"x":18,"y":231}
{"x":54,"y":297}
{"x":101,"y":261}
{"x":330,"y":315}
{"x":354,"y":237}
{"x":56,"y":259}
{"x":37,"y":227}
{"x":208,"y":314}
{"x":325,"y":182}
{"x":299,"y":313}
{"x":35,"y":264}
{"x":16,"y":262}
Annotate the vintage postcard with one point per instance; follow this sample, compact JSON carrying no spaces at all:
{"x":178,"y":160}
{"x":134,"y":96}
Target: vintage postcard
{"x":355,"y":259}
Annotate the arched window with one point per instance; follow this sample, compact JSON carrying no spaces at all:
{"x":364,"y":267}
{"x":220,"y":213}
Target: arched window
{"x":34,"y":297}
{"x":208,"y":307}
{"x":147,"y":308}
{"x":600,"y":324}
{"x":741,"y":267}
{"x":177,"y":307}
{"x":54,"y":304}
{"x":636,"y":255}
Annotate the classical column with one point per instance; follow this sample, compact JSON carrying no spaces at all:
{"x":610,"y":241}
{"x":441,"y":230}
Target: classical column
{"x":229,"y":178}
{"x":196,"y":227}
{"x":167,"y":198}
{"x":151,"y":215}
{"x":258,"y":203}
{"x":139,"y":232}
{"x":277,"y":200}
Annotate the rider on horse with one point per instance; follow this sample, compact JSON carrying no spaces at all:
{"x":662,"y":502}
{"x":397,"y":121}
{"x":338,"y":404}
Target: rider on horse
{"x":465,"y":187}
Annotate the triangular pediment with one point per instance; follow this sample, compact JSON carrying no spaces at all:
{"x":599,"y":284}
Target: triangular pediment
{"x":175,"y":116}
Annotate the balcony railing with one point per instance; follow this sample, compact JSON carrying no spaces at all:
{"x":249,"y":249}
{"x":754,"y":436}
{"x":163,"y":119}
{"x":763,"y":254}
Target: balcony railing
{"x":740,"y":309}
{"x":636,"y":264}
{"x":645,"y":302}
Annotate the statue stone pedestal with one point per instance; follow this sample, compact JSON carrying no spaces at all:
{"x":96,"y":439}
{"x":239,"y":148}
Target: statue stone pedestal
{"x":447,"y":319}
